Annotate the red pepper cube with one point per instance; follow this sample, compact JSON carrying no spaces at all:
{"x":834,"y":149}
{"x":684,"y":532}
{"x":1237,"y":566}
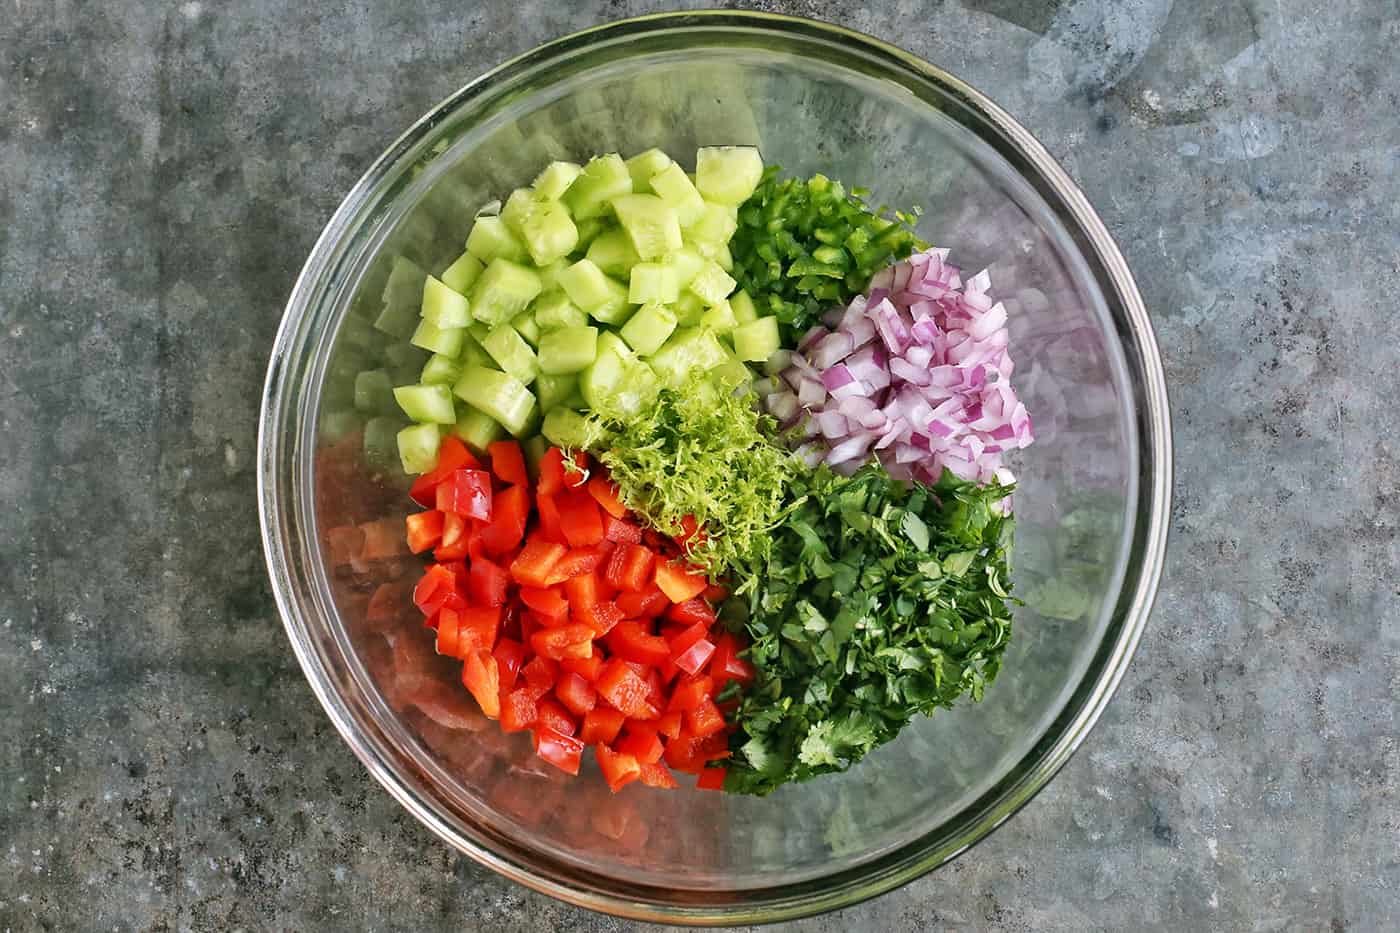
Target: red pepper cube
{"x":641,"y":743}
{"x":678,"y":583}
{"x":606,"y":495}
{"x":549,"y":603}
{"x":437,"y":585}
{"x":466,"y":493}
{"x":601,"y":617}
{"x":670,"y":724}
{"x":563,"y":641}
{"x":481,"y":676}
{"x":631,"y":642}
{"x":648,"y":604}
{"x":624,"y":689}
{"x":588,"y":668}
{"x":510,"y":510}
{"x":582,"y":592}
{"x":449,"y":631}
{"x":620,"y":531}
{"x":575,"y":692}
{"x":487,"y":582}
{"x":562,"y":751}
{"x":576,"y":469}
{"x":692,"y":612}
{"x":690,"y":692}
{"x":541,"y":673}
{"x":601,"y":725}
{"x":578,"y":561}
{"x":532,"y":567}
{"x":508,"y":462}
{"x":550,"y":713}
{"x":452,"y":455}
{"x":518,"y":710}
{"x":704,"y":720}
{"x":424,"y":530}
{"x":693,"y":659}
{"x":618,"y":769}
{"x":551,"y":481}
{"x":655,"y":774}
{"x":629,"y":568}
{"x":510,"y":656}
{"x":711,"y":779}
{"x":580,"y":519}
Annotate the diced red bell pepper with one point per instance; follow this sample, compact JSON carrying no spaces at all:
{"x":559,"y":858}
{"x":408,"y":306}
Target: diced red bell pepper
{"x":576,"y":561}
{"x":478,"y":627}
{"x":681,"y":641}
{"x":575,"y":692}
{"x":692,"y":612}
{"x":678,"y":583}
{"x":449,"y":632}
{"x":726,"y":665}
{"x":518,"y":710}
{"x":606,"y":495}
{"x":510,"y":509}
{"x":563,"y":641}
{"x":641,"y":743}
{"x":588,"y":668}
{"x":704,"y":720}
{"x":436,"y":586}
{"x":550,"y":713}
{"x":711,"y":779}
{"x":680,"y":753}
{"x":625,"y":690}
{"x":692,"y":659}
{"x":424,"y":530}
{"x":601,"y":617}
{"x":551,"y":481}
{"x":582,"y":592}
{"x":562,"y":751}
{"x":466,"y":493}
{"x":655,"y":774}
{"x":487,"y":582}
{"x":508,"y":462}
{"x":656,"y":693}
{"x":692,"y":535}
{"x":481,"y":675}
{"x":550,"y":527}
{"x":601,"y":725}
{"x":580,"y":519}
{"x":670,"y":724}
{"x":715,"y":594}
{"x":535,"y":561}
{"x":629,"y":567}
{"x":547,"y":602}
{"x":630,"y":641}
{"x":690,"y":693}
{"x":575,"y":469}
{"x":621,"y":531}
{"x":541,"y":673}
{"x":510,"y":656}
{"x":648,"y":604}
{"x":456,"y":538}
{"x":618,"y":769}
{"x":452,"y":455}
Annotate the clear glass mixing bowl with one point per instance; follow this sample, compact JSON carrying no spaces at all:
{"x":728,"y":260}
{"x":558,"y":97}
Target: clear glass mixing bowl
{"x":1092,"y":505}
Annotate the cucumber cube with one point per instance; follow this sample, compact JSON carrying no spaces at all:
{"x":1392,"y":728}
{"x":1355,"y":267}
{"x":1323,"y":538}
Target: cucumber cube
{"x":462,"y":274}
{"x":566,"y":428}
{"x":568,"y":350}
{"x":491,"y":239}
{"x":556,"y":179}
{"x":525,"y":326}
{"x":673,"y":187}
{"x":512,"y":353}
{"x":688,"y":309}
{"x":613,"y":252}
{"x":732,"y":375}
{"x":444,"y":307}
{"x":743,"y":308}
{"x":687,"y":263}
{"x":712,"y":230}
{"x":610,"y":342}
{"x":554,"y":391}
{"x":603,"y":298}
{"x":756,"y":341}
{"x":403,"y":293}
{"x":690,"y":349}
{"x":617,"y":386}
{"x":603,"y":178}
{"x":644,"y":165}
{"x":728,"y":174}
{"x":711,"y":284}
{"x":549,"y":274}
{"x":403,"y":361}
{"x":418,"y":447}
{"x":650,"y":224}
{"x":374,"y":392}
{"x":478,"y":430}
{"x":381,"y":442}
{"x":519,"y":206}
{"x":649,"y":328}
{"x":498,"y":394}
{"x":554,"y":310}
{"x":724,"y":258}
{"x":588,"y":231}
{"x":444,"y":340}
{"x":720,"y":318}
{"x":503,"y":291}
{"x":549,"y":233}
{"x":440,"y":370}
{"x":652,"y":281}
{"x":426,"y":404}
{"x":333,"y":426}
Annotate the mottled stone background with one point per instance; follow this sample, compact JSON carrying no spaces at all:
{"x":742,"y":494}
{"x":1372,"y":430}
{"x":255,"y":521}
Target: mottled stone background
{"x":165,"y":166}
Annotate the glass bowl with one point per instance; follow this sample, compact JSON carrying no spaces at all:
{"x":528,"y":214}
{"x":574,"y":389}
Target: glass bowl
{"x":1092,"y":504}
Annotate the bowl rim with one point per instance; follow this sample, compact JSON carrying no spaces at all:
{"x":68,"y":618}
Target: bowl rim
{"x":1100,"y":679}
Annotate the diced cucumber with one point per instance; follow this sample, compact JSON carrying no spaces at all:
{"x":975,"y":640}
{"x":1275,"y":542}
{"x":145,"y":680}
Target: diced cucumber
{"x":673,"y":187}
{"x":554,"y":310}
{"x":403,"y":360}
{"x":652,"y":281}
{"x":549,"y":233}
{"x":472,"y":354}
{"x":478,"y":332}
{"x":603,"y":178}
{"x":724,"y":258}
{"x":757,"y":340}
{"x":603,"y":298}
{"x":525,"y":326}
{"x":568,"y":350}
{"x":428,"y":404}
{"x":712,"y":230}
{"x":332,"y":426}
{"x":403,"y":293}
{"x":535,"y":449}
{"x":727,"y":174}
{"x":650,"y":224}
{"x":374,"y":392}
{"x":556,"y":179}
{"x":743,"y":308}
{"x":719,"y":318}
{"x":613,"y":252}
{"x":381,"y":440}
{"x":503,"y":291}
{"x":588,"y":231}
{"x":512,"y":353}
{"x":649,"y":328}
{"x":462,"y":274}
{"x":498,"y":394}
{"x":491,"y":239}
{"x":444,"y":340}
{"x":418,"y":447}
{"x":566,"y":428}
{"x":478,"y":430}
{"x":518,"y":208}
{"x":357,"y":332}
{"x":643,"y":166}
{"x":616,"y":385}
{"x":688,"y":309}
{"x":441,"y":370}
{"x":444,"y":307}
{"x":688,"y":349}
{"x":549,"y":274}
{"x":687,"y":263}
{"x":553,"y":391}
{"x":732,"y":374}
{"x":711,"y":284}
{"x":610,"y":342}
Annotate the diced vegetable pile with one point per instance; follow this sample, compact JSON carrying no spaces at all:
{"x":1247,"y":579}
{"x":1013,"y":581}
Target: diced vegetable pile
{"x":709,"y":466}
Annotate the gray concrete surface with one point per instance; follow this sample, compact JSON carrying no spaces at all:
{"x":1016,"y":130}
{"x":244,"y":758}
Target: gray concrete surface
{"x":164,"y":167}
